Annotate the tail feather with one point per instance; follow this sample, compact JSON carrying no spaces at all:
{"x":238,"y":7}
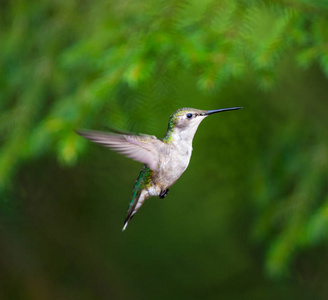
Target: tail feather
{"x":139,"y":194}
{"x":134,"y":206}
{"x":125,"y":224}
{"x":128,"y":218}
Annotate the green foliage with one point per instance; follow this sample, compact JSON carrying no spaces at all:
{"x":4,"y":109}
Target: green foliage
{"x":293,"y":202}
{"x":72,"y":64}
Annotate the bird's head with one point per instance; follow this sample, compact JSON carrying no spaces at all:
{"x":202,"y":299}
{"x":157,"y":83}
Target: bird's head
{"x":188,"y":119}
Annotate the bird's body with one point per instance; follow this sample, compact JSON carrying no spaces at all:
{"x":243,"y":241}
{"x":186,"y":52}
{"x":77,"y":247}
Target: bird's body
{"x":164,"y":160}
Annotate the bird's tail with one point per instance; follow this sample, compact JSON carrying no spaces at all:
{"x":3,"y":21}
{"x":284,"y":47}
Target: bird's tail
{"x":139,"y":194}
{"x":126,"y":222}
{"x":138,"y":199}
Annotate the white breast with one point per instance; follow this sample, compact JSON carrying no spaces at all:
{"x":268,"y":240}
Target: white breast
{"x":174,"y":164}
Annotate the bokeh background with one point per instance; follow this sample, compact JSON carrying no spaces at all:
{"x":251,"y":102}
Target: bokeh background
{"x":248,"y":219}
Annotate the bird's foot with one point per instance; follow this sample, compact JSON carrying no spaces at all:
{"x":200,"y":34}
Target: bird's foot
{"x":163,"y":193}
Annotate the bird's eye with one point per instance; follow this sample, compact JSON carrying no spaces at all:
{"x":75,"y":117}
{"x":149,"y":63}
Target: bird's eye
{"x":189,"y":116}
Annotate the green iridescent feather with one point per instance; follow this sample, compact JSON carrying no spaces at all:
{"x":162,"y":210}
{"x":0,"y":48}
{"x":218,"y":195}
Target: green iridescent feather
{"x":143,"y":181}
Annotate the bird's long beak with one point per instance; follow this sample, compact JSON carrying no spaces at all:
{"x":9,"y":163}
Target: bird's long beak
{"x":214,"y":111}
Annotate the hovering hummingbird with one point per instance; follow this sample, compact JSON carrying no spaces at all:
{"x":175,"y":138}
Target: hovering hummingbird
{"x":164,"y":159}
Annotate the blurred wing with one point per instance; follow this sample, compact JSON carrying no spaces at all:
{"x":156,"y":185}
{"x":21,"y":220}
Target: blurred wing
{"x":140,"y":148}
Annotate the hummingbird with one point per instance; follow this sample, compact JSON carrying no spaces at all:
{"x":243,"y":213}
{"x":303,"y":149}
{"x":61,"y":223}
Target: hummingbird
{"x":165,"y":160}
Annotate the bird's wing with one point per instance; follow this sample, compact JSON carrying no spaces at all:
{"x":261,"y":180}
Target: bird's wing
{"x":141,"y":148}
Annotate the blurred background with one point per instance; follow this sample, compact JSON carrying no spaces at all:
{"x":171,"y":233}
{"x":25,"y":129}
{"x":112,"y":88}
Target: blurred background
{"x":247,"y":220}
